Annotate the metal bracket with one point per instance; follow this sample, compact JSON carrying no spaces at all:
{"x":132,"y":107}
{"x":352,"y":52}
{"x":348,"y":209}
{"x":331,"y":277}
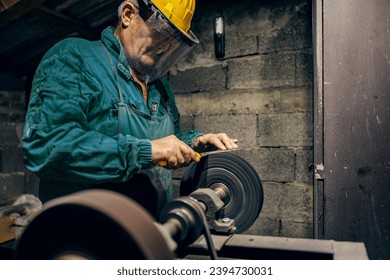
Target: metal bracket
{"x":318,"y":170}
{"x":213,"y":205}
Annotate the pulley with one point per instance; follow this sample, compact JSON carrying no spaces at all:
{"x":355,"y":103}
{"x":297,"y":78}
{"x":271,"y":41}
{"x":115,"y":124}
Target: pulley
{"x":94,"y":224}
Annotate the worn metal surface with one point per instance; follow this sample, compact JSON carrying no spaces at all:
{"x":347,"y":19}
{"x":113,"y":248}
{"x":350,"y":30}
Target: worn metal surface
{"x":239,"y":246}
{"x":318,"y":122}
{"x":354,"y":55}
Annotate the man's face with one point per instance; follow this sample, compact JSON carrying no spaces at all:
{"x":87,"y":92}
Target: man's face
{"x":146,"y":44}
{"x":151,"y":44}
{"x":139,"y":45}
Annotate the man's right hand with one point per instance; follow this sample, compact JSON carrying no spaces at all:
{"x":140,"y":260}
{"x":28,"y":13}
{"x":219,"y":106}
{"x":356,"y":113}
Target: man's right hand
{"x":170,"y":152}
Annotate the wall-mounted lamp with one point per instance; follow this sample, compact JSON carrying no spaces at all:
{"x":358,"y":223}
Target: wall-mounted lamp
{"x":219,"y":36}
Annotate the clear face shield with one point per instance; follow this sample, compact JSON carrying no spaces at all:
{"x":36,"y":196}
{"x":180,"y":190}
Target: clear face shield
{"x":157,"y":46}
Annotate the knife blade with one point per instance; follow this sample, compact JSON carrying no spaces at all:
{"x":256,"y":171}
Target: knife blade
{"x":200,"y":155}
{"x":217,"y":152}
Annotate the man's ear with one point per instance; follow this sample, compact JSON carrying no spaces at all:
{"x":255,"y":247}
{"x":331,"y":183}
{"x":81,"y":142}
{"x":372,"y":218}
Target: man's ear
{"x":127,"y":13}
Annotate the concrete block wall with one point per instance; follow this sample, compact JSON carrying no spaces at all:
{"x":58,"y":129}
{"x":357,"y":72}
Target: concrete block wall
{"x":15,"y":180}
{"x":260,"y":93}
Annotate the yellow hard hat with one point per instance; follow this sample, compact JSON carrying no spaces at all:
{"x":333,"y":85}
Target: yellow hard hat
{"x":178,"y":12}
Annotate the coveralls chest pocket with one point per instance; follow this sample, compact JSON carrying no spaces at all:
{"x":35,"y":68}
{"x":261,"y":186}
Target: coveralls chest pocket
{"x":142,"y":125}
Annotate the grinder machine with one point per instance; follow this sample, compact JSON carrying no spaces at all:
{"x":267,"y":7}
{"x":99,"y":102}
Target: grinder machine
{"x":221,"y":195}
{"x":220,"y":198}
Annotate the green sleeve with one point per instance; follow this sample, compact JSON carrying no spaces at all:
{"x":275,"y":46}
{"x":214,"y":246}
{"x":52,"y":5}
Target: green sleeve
{"x":187,"y":137}
{"x":57,"y":142}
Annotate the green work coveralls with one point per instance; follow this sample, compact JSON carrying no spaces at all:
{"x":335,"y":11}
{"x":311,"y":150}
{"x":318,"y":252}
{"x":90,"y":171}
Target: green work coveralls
{"x":87,"y":123}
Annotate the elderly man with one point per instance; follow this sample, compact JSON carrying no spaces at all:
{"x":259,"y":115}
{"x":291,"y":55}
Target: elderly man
{"x":101,"y":115}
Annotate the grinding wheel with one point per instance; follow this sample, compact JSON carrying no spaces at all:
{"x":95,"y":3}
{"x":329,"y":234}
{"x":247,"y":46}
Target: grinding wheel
{"x":93,"y":224}
{"x":245,"y":188}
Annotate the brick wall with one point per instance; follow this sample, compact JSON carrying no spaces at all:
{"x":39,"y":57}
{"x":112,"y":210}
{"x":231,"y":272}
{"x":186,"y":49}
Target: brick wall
{"x":15,"y":180}
{"x":260,"y":93}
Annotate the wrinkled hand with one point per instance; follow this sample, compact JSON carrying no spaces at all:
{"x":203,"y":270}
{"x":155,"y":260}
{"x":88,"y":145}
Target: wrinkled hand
{"x":171,"y":152}
{"x":209,"y":142}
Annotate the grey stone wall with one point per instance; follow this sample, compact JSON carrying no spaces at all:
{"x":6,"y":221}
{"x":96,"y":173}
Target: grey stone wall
{"x":15,"y":180}
{"x":260,"y":93}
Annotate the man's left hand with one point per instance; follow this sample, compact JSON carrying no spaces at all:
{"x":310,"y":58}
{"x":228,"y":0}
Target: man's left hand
{"x":219,"y":141}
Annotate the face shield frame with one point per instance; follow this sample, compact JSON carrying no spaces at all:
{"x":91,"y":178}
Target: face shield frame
{"x":169,"y":43}
{"x":148,"y":5}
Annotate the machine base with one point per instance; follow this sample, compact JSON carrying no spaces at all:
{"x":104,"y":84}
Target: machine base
{"x":253,"y":247}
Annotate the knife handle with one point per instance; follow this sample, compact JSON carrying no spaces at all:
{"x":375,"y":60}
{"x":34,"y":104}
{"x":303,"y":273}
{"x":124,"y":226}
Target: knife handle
{"x":164,"y":163}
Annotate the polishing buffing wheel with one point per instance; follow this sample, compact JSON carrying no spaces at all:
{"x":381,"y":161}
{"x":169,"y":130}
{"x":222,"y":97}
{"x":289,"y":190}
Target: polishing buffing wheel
{"x":245,"y":198}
